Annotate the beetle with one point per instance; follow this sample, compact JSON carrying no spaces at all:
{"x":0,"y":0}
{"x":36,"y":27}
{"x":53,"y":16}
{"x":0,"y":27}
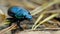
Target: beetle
{"x":18,"y":14}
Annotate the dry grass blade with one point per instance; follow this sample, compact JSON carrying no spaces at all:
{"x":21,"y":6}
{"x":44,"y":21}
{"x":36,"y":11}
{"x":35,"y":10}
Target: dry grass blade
{"x":39,"y":18}
{"x":48,"y":18}
{"x":7,"y":29}
{"x":1,"y":12}
{"x":28,"y":4}
{"x":35,"y":9}
{"x":2,"y":16}
{"x":52,"y":28}
{"x":54,"y":11}
{"x":43,"y":7}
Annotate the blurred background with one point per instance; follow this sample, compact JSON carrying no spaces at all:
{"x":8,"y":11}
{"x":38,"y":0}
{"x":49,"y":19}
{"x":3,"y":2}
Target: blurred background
{"x":52,"y":6}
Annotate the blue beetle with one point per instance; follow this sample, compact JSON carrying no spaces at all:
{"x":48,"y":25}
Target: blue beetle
{"x":18,"y":14}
